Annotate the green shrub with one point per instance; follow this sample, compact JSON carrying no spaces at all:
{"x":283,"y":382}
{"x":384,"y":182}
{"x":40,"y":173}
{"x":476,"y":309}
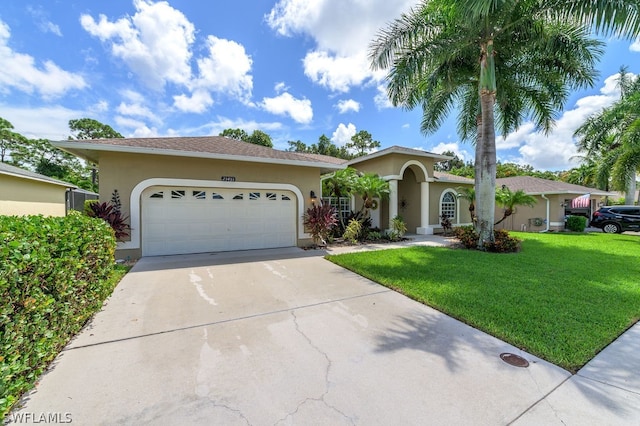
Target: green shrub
{"x":504,"y":243}
{"x":576,"y":223}
{"x":398,"y":228}
{"x":352,"y":231}
{"x":374,"y":236}
{"x":54,"y":274}
{"x":467,"y":236}
{"x":87,"y":206}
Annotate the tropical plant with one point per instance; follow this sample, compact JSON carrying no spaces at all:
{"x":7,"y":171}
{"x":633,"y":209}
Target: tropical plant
{"x":611,"y":138}
{"x":352,"y":231}
{"x":398,"y":228}
{"x":320,"y":220}
{"x":469,"y":193}
{"x":509,"y":200}
{"x":115,"y":219}
{"x":371,"y":187}
{"x":447,"y":52}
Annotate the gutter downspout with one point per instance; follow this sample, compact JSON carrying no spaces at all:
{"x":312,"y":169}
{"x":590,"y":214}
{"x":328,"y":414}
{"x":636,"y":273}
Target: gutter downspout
{"x":547,"y":219}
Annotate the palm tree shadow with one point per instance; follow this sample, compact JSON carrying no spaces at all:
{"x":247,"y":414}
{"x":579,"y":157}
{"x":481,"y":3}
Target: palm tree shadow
{"x":431,"y":332}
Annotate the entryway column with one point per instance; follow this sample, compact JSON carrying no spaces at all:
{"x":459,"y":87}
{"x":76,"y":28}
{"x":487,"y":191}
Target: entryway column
{"x":393,"y":200}
{"x":424,"y":210}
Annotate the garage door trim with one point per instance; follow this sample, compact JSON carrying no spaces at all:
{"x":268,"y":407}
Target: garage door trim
{"x":135,"y":201}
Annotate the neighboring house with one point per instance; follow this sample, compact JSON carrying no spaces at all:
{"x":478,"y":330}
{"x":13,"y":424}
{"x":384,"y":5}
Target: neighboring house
{"x":554,"y":203}
{"x":27,"y":193}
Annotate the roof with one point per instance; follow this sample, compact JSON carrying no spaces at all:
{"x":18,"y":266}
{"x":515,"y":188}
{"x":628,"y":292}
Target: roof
{"x":215,"y":147}
{"x":536,"y":186}
{"x":9,"y":170}
{"x":448,"y":177}
{"x":400,"y":150}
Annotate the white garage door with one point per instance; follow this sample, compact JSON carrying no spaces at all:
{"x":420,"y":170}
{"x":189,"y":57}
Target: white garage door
{"x":180,"y":220}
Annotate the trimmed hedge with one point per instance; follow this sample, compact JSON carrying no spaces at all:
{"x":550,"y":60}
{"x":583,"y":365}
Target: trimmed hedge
{"x":576,"y":223}
{"x":54,"y":275}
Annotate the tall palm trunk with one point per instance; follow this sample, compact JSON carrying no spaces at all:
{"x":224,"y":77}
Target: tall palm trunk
{"x":485,"y":166}
{"x":630,"y":196}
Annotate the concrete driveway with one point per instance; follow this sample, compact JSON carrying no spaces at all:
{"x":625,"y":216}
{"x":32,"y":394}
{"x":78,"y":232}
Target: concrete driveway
{"x":281,"y":337}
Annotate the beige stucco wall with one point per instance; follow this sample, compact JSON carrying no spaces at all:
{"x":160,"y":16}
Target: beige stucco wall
{"x":525,"y":215}
{"x":124,"y":171}
{"x":409,"y":200}
{"x":391,"y":165}
{"x":463,"y":216}
{"x":19,"y":196}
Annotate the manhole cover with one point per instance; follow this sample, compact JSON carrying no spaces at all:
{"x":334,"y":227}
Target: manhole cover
{"x":513,"y":359}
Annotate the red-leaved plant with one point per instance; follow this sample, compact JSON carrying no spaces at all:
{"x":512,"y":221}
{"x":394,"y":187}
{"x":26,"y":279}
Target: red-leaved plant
{"x":320,"y":219}
{"x":111,"y":215}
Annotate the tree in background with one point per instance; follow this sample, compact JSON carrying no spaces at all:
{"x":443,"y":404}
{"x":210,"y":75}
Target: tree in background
{"x":258,"y":137}
{"x":611,"y":138}
{"x":508,"y":60}
{"x":12,"y":144}
{"x":362,"y":143}
{"x":323,"y":147}
{"x":88,"y":128}
{"x":448,"y":165}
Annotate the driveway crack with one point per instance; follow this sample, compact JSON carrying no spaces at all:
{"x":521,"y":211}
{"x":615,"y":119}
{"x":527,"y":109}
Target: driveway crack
{"x":321,"y":398}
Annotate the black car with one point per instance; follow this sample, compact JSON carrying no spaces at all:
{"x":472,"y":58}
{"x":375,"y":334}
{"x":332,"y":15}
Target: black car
{"x":617,"y":219}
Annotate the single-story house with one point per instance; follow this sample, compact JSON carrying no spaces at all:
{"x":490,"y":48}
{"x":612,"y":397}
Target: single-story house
{"x":23,"y":192}
{"x":206,"y":194}
{"x":555,"y":201}
{"x":203,"y":194}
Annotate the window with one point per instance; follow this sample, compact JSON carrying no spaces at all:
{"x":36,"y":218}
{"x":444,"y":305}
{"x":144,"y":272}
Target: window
{"x":271,"y":196}
{"x":254,"y":195}
{"x":238,"y":197}
{"x":448,"y":205}
{"x":285,"y":198}
{"x":199,"y":195}
{"x":177,"y":194}
{"x":216,"y":196}
{"x":342,"y":205}
{"x":159,"y":194}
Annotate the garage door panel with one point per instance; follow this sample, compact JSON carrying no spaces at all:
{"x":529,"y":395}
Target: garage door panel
{"x":192,"y":220}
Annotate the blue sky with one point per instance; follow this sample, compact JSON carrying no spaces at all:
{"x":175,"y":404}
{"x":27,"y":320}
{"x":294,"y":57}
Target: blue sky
{"x":295,"y":69}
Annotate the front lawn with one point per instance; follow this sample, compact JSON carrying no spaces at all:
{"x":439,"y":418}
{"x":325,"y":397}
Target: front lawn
{"x":563,"y":298}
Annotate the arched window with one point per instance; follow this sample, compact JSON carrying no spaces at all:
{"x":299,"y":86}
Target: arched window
{"x":448,"y":204}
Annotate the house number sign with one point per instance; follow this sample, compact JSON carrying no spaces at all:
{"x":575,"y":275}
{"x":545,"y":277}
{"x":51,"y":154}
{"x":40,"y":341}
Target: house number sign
{"x":228,"y":178}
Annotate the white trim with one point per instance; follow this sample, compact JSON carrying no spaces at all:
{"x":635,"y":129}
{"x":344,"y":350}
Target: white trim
{"x":556,"y":224}
{"x":414,"y":163}
{"x":455,"y":197}
{"x":135,"y":201}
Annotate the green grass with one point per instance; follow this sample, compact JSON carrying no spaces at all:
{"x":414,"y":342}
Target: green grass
{"x":563,"y":298}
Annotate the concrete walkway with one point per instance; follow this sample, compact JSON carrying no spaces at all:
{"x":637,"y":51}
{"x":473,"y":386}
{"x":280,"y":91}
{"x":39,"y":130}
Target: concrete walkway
{"x":283,"y":336}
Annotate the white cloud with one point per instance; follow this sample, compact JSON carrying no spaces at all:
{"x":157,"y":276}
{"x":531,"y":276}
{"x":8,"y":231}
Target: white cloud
{"x":336,"y":73}
{"x":226,"y":69}
{"x":135,"y":128}
{"x":280,"y":87}
{"x":298,"y":109}
{"x":41,"y":122}
{"x":154,"y":43}
{"x":635,"y":46}
{"x":348,"y":105}
{"x":43,"y":22}
{"x":197,"y":103}
{"x":19,"y":71}
{"x":343,"y":134}
{"x":135,"y":110}
{"x":555,"y":150}
{"x":339,"y":60}
{"x":382,"y":99}
{"x":221,"y":123}
{"x":453,"y":147}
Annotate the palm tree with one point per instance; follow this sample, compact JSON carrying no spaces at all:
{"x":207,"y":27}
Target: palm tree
{"x":445,"y":53}
{"x":509,"y":200}
{"x":612,"y":138}
{"x":370,"y":186}
{"x":469,"y":193}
